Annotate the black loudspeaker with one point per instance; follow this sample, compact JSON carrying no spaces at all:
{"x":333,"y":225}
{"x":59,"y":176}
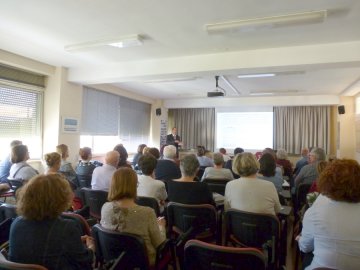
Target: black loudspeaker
{"x":341,"y":109}
{"x":158,"y":111}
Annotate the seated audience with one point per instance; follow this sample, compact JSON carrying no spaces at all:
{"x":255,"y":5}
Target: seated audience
{"x":85,"y":166}
{"x":283,"y":161}
{"x":40,"y":236}
{"x":329,"y":225}
{"x":278,"y":169}
{"x":122,"y":214}
{"x":5,"y":166}
{"x":186,"y":190}
{"x":308,"y":174}
{"x":123,"y":156}
{"x":226,"y":157}
{"x":166,"y":168}
{"x":101,"y":176}
{"x":204,"y":161}
{"x":53,"y":162}
{"x":250,"y":193}
{"x":267,"y":171}
{"x":303,"y":161}
{"x":20,"y":169}
{"x":228,"y":164}
{"x":217,"y":171}
{"x":138,"y":154}
{"x":147,"y":185}
{"x":66,"y":168}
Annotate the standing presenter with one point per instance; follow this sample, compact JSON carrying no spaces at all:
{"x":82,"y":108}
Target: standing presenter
{"x":174,"y":139}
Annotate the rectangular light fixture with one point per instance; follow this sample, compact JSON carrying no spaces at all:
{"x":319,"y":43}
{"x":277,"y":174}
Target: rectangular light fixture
{"x":120,"y":42}
{"x":169,"y":80}
{"x":292,"y":19}
{"x":259,"y":75}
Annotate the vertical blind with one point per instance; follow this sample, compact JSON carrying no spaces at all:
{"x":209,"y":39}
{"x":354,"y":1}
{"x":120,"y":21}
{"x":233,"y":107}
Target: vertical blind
{"x":106,"y":114}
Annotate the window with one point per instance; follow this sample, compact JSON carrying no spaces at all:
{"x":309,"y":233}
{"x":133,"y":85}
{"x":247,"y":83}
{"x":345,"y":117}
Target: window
{"x":108,"y":120}
{"x":20,"y":118}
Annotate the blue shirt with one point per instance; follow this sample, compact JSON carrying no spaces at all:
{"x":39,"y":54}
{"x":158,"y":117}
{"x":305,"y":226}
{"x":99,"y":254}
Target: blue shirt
{"x":5,"y":166}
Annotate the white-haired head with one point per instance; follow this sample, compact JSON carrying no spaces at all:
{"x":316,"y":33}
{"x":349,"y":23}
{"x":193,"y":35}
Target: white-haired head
{"x":169,"y":152}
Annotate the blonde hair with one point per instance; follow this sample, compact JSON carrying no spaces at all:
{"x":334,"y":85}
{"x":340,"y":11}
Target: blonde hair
{"x":62,"y":149}
{"x":52,"y":159}
{"x":123,"y":184}
{"x":245,"y":164}
{"x":44,"y":197}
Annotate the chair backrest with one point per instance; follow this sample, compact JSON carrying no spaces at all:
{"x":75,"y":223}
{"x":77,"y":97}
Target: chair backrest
{"x":16,"y":183}
{"x":7,"y":211}
{"x":200,"y":172}
{"x":204,"y":256}
{"x":84,"y":180}
{"x":150,"y":202}
{"x":5,"y":264}
{"x":216,"y":184}
{"x":191,"y":220}
{"x":80,"y":222}
{"x":110,"y":245}
{"x":253,"y":230}
{"x":301,"y":192}
{"x":95,"y":199}
{"x":5,"y":230}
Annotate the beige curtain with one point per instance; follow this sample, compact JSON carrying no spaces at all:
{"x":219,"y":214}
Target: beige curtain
{"x":299,"y":127}
{"x":195,"y":126}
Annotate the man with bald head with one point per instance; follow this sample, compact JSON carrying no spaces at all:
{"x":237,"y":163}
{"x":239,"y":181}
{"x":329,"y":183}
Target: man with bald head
{"x":101,"y":177}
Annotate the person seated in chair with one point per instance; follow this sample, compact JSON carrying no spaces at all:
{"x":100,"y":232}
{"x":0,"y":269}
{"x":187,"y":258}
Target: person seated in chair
{"x":228,"y":164}
{"x":101,"y":176}
{"x":267,"y":171}
{"x":249,"y":193}
{"x":329,"y":225}
{"x":122,"y":214}
{"x":40,"y":236}
{"x":20,"y":169}
{"x":85,"y":166}
{"x":148,"y":186}
{"x":5,"y":166}
{"x":66,"y":167}
{"x":217,"y":171}
{"x":204,"y":161}
{"x":53,"y":163}
{"x":186,"y":190}
{"x":166,"y":168}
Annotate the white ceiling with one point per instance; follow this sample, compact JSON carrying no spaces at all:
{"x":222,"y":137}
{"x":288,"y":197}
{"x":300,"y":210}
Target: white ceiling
{"x":314,"y":59}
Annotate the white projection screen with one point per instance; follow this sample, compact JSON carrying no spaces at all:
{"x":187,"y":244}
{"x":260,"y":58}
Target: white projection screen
{"x":251,"y":129}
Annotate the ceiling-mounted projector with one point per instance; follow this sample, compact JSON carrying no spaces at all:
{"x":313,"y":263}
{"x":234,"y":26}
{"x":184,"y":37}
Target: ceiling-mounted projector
{"x":218,"y":92}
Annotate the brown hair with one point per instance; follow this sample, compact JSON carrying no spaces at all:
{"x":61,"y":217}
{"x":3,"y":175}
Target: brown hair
{"x":123,"y":184}
{"x":155,"y":152}
{"x":18,"y":153}
{"x":62,"y":149}
{"x":340,"y":181}
{"x":44,"y":197}
{"x":85,"y":153}
{"x":147,"y":164}
{"x":52,"y":159}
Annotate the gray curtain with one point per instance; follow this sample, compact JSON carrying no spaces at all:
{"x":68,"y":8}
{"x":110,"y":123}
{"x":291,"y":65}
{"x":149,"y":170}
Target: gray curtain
{"x":299,"y":127}
{"x":195,"y":126}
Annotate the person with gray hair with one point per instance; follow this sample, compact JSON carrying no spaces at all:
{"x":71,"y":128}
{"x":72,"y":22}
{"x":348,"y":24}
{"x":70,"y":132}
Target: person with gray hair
{"x":101,"y":177}
{"x":308,"y":174}
{"x":249,"y":193}
{"x":186,"y":190}
{"x":217,"y":171}
{"x":166,"y":168}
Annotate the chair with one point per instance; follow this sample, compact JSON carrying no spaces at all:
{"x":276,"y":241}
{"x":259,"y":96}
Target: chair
{"x":260,"y":231}
{"x":15,"y":184}
{"x":150,"y":202}
{"x":7,"y":211}
{"x":84,"y":180}
{"x":95,"y":199}
{"x":7,"y":194}
{"x":200,"y":172}
{"x":79,"y":220}
{"x":5,"y":230}
{"x":204,"y":256}
{"x":300,"y":198}
{"x":127,"y":251}
{"x":217,"y":184}
{"x":186,"y":221}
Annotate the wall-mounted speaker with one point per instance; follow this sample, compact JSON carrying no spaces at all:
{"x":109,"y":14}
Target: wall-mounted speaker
{"x":341,"y":109}
{"x":158,"y":111}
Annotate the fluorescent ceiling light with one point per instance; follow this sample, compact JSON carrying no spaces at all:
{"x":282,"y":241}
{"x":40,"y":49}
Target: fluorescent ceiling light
{"x":259,"y":75}
{"x":273,"y":92}
{"x":267,"y":22}
{"x":120,"y":42}
{"x":261,"y":94}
